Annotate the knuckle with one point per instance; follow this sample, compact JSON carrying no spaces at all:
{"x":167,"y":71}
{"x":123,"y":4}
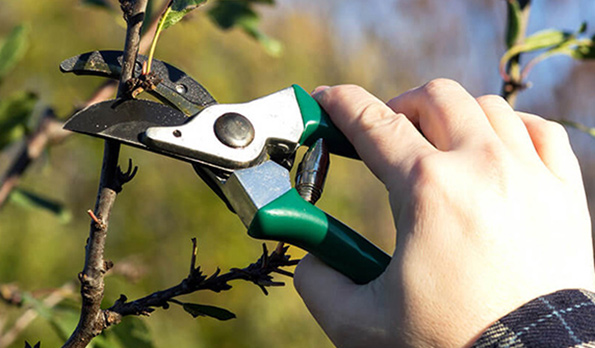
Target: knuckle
{"x":425,"y":173}
{"x":492,"y":100}
{"x":494,"y":152}
{"x":440,"y":85}
{"x":554,"y":130}
{"x":344,"y":92}
{"x":376,"y":115}
{"x":545,"y":130}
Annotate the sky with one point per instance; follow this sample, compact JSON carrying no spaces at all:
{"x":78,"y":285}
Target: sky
{"x":470,"y":32}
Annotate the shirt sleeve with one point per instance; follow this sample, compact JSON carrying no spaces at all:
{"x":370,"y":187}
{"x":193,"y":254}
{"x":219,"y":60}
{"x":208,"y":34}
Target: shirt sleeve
{"x":565,"y":318}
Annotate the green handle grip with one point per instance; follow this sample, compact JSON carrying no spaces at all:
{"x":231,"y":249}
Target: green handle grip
{"x":317,"y":124}
{"x":291,"y":219}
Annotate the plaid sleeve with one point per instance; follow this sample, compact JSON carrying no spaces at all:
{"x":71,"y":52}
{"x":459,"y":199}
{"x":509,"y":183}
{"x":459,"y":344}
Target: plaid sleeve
{"x":562,"y":319}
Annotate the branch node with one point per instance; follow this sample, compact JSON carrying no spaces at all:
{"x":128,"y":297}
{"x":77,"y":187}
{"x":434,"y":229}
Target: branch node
{"x":121,"y":300}
{"x":98,"y":223}
{"x":193,"y":258}
{"x":125,"y":177}
{"x":111,"y":318}
{"x":107,"y":265}
{"x":82,"y":277}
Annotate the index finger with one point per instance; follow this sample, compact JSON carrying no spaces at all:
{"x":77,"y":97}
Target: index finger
{"x":386,"y":141}
{"x":446,"y":113}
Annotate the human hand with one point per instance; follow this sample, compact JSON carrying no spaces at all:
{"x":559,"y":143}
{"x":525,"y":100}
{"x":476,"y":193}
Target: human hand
{"x":489,"y":208}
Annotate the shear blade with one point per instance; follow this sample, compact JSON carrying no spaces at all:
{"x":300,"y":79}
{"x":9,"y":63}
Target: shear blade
{"x":124,"y":120}
{"x":176,"y":88}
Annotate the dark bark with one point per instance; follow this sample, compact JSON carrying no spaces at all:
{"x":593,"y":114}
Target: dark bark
{"x":93,"y":321}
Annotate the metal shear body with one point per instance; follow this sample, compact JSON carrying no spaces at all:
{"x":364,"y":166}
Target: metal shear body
{"x":244,"y":152}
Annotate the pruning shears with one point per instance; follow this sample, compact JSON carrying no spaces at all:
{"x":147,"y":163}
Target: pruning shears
{"x":244,"y":152}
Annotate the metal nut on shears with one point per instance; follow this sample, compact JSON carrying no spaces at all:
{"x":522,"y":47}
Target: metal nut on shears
{"x":234,"y":130}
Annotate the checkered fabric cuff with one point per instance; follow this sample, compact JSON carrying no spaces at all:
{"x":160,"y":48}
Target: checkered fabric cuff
{"x":563,"y":319}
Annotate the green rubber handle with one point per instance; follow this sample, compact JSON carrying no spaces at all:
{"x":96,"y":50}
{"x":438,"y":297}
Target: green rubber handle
{"x":291,"y":219}
{"x":317,"y":124}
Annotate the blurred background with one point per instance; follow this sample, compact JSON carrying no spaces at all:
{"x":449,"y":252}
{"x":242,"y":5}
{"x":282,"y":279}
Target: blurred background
{"x":386,"y":46}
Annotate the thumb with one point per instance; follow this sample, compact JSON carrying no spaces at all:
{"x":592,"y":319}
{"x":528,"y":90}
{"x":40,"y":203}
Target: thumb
{"x":348,"y":313}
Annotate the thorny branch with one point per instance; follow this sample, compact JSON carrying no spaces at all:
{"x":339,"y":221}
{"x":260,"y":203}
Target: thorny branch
{"x":92,"y":321}
{"x":258,"y":273}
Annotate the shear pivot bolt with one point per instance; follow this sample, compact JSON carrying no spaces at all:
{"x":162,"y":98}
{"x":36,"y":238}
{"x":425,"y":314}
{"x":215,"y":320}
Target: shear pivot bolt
{"x":234,"y":130}
{"x":181,"y":89}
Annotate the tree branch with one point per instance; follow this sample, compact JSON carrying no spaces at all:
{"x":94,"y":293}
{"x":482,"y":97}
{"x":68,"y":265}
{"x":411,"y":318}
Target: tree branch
{"x":49,"y":131}
{"x":511,"y":88}
{"x":258,"y":273}
{"x":92,"y":320}
{"x":29,"y":153}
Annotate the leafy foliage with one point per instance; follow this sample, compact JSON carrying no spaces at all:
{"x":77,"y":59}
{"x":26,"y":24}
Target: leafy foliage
{"x":552,"y":42}
{"x":514,"y":22}
{"x":103,"y":4}
{"x":13,"y":48}
{"x":32,"y":200}
{"x":177,"y":10}
{"x":131,"y":332}
{"x":197,"y":310}
{"x":579,"y":126}
{"x":15,"y":112}
{"x":551,"y":39}
{"x":225,"y":13}
{"x":240,"y":13}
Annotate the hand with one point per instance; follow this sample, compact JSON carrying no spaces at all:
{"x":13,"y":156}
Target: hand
{"x":489,"y":208}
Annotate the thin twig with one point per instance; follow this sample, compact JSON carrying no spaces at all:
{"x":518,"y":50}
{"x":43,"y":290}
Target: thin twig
{"x":49,"y":131}
{"x":92,"y":320}
{"x":23,"y":321}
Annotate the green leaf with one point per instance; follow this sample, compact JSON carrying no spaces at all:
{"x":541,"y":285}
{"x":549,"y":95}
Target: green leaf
{"x":197,"y":310}
{"x":177,"y":11}
{"x":556,"y":41}
{"x":15,"y":112}
{"x":585,"y":49}
{"x":544,"y":39}
{"x":133,"y":332}
{"x":13,"y":48}
{"x":103,"y":4}
{"x":579,"y":126}
{"x":250,"y":26}
{"x":149,"y":13}
{"x":228,"y":13}
{"x":235,"y":13}
{"x":575,"y":48}
{"x":34,"y":201}
{"x":515,"y":16}
{"x":63,"y":320}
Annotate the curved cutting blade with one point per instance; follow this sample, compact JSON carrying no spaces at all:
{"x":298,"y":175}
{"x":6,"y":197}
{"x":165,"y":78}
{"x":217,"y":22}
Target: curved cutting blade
{"x":175,"y":88}
{"x":126,"y":121}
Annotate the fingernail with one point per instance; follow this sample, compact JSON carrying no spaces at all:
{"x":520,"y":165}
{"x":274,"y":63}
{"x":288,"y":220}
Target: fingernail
{"x":319,"y":89}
